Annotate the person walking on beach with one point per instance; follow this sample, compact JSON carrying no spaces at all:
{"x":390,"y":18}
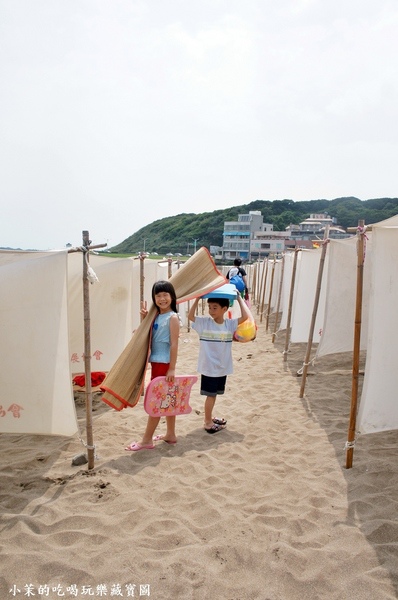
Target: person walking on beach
{"x":238,"y":271}
{"x":215,"y":353}
{"x":163,"y":357}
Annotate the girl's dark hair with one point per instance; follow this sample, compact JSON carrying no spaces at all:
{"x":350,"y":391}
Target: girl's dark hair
{"x":165,"y":286}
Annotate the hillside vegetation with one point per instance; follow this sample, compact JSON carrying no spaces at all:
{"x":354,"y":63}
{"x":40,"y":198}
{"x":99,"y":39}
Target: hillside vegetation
{"x":182,"y":233}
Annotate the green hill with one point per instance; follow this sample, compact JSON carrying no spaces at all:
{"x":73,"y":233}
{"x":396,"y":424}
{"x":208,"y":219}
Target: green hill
{"x":182,"y":232}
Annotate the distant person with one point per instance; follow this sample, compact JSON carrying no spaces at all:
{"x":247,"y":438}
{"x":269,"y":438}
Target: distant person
{"x":238,"y":271}
{"x":163,"y":357}
{"x":215,"y":353}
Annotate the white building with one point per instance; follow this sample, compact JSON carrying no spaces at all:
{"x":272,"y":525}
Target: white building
{"x":249,"y":238}
{"x":238,"y":235}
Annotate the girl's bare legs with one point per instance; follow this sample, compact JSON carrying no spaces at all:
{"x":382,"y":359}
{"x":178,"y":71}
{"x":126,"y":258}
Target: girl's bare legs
{"x":151,"y":425}
{"x":170,"y":435}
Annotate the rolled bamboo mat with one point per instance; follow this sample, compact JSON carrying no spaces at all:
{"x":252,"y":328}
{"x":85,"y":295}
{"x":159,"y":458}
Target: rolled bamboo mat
{"x":125,"y":381}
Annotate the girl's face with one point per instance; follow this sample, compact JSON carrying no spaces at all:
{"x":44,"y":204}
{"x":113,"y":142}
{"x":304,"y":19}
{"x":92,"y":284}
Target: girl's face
{"x":163,"y":301}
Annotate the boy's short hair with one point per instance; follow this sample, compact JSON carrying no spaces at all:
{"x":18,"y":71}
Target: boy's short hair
{"x":223,"y":302}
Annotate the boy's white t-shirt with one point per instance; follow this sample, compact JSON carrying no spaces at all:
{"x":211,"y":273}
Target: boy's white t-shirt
{"x":215,"y":350}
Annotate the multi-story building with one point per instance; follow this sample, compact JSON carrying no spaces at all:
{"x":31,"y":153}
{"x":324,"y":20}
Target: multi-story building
{"x":314,"y":228}
{"x":250,"y":238}
{"x":239,"y":234}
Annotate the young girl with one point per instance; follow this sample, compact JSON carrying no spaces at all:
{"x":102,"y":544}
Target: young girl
{"x":163,"y":356}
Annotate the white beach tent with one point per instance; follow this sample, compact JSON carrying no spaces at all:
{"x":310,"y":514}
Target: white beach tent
{"x":286,"y":287}
{"x":305,"y":290}
{"x":378,"y":409}
{"x":42,"y":330}
{"x":114,"y":306}
{"x":337,"y":330}
{"x":36,"y":385}
{"x":111,"y":309}
{"x":305,"y":286}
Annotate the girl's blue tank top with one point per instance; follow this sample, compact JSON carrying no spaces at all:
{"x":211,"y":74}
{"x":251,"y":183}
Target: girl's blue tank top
{"x":160,"y":346}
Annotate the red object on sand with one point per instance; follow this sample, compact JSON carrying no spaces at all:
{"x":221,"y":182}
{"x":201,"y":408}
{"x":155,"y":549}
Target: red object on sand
{"x":97,"y":377}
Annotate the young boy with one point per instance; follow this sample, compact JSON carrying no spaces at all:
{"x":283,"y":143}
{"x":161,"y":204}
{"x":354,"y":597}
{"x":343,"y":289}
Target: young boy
{"x":215,"y":352}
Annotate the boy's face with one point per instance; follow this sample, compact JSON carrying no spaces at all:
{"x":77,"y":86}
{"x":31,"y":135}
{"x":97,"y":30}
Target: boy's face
{"x":216,"y":311}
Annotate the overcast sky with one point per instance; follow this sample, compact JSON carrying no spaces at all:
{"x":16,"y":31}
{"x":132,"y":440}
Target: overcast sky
{"x":116,"y":113}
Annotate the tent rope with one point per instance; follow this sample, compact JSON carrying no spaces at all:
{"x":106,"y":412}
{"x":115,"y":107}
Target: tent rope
{"x":91,"y":275}
{"x":87,"y":446}
{"x":349,"y":445}
{"x":306,"y":364}
{"x":362,"y":230}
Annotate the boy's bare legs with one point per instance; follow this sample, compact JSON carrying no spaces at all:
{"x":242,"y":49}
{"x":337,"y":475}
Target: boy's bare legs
{"x":209,"y":405}
{"x":210,"y":424}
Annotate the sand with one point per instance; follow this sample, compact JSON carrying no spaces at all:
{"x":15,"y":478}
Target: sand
{"x":264,"y":509}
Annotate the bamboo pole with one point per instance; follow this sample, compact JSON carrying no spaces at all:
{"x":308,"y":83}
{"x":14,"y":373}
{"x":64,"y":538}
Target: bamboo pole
{"x":87,"y":353}
{"x":270,"y":294}
{"x":142,"y":282}
{"x":263,"y":287}
{"x":289,"y":312}
{"x":314,"y":310}
{"x":278,"y":304}
{"x":357,"y":344}
{"x":261,"y":273}
{"x":87,"y":345}
{"x":254,"y":284}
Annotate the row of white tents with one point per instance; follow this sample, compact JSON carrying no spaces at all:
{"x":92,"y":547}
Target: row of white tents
{"x":334,"y":327}
{"x":42,"y":330}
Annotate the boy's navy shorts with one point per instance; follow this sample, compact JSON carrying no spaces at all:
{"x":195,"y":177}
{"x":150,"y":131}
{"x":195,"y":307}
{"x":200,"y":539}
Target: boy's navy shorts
{"x":212,"y":386}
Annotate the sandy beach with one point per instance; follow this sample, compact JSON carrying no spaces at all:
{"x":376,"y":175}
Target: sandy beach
{"x":262,"y":510}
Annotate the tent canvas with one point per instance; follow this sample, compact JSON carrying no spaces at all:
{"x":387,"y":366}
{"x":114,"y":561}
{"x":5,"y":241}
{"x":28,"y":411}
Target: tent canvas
{"x":304,"y":294}
{"x":111,"y":310}
{"x":36,"y":386}
{"x":378,"y":410}
{"x":340,"y":286}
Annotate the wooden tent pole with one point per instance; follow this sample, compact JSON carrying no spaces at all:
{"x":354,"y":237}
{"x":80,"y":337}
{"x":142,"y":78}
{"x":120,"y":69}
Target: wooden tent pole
{"x":278,"y":304}
{"x":357,"y":344}
{"x":254,"y":285}
{"x":263,"y":288}
{"x":314,"y":311}
{"x":261,"y":275}
{"x":289,"y":312}
{"x":249,"y":276}
{"x":270,"y":294}
{"x":142,"y":281}
{"x":87,"y":353}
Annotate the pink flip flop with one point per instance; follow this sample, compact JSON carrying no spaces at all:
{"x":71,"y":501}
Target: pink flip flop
{"x":135,"y":446}
{"x":160,"y":438}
